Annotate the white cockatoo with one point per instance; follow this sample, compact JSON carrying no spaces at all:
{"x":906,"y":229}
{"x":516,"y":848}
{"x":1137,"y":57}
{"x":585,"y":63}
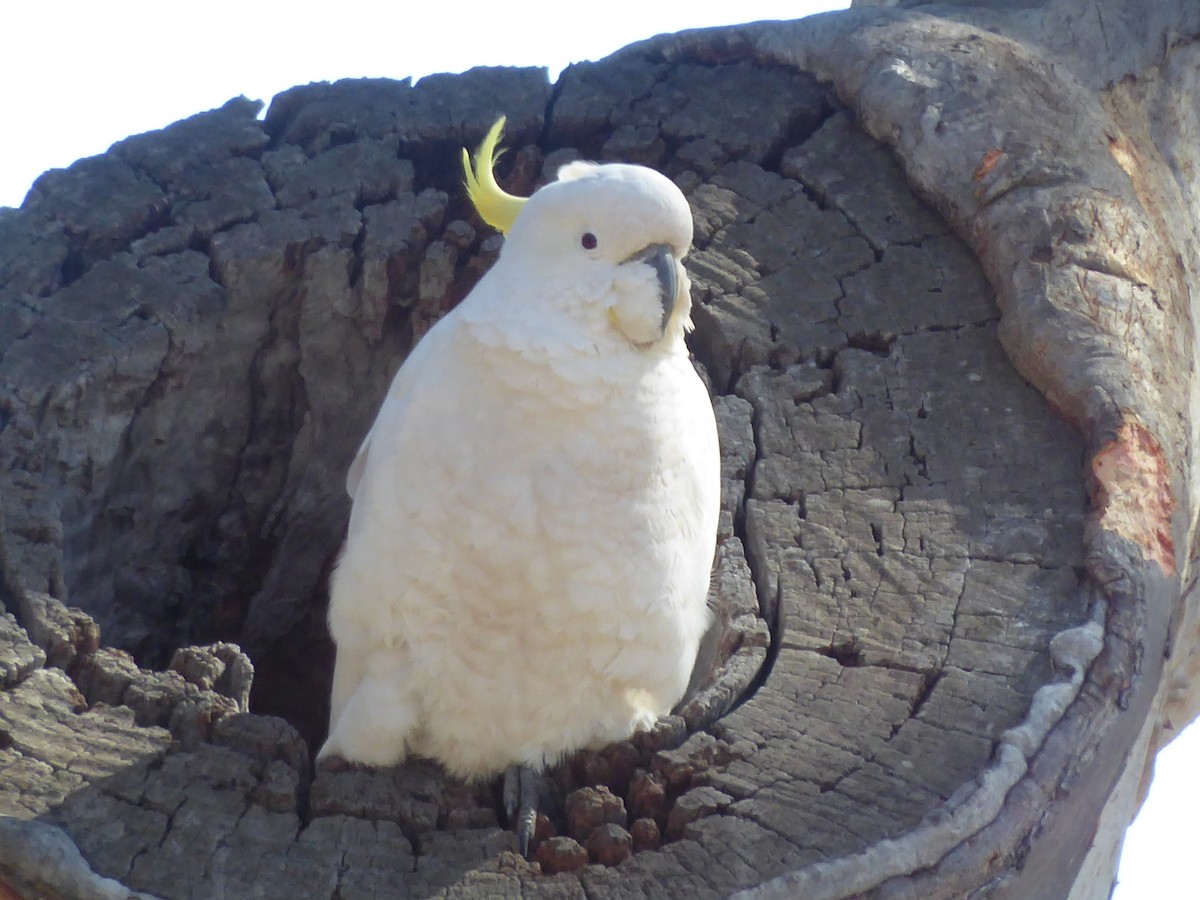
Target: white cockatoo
{"x":535,"y":507}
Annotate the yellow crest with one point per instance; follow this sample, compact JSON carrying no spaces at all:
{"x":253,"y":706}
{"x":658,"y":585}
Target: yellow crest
{"x":496,"y":207}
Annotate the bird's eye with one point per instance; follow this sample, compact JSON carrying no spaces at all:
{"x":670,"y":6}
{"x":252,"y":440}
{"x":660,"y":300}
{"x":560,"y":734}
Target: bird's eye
{"x":588,"y":241}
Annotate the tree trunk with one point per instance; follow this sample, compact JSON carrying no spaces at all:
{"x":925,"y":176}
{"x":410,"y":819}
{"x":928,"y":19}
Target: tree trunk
{"x":943,"y":272}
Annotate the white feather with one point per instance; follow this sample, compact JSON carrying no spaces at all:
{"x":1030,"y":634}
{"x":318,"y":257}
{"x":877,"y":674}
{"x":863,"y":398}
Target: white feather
{"x":535,"y":506}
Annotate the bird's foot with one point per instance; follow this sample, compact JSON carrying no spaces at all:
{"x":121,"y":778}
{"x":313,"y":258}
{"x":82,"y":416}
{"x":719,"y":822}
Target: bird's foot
{"x":522,"y":791}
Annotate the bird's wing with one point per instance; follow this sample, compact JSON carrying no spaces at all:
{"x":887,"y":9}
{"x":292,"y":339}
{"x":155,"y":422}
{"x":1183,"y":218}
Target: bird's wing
{"x":392,"y":412}
{"x":355,"y":472}
{"x":399,"y":431}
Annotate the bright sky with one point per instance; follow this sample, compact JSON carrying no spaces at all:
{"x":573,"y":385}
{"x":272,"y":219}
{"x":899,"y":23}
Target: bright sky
{"x":79,"y":75}
{"x":1159,"y":857}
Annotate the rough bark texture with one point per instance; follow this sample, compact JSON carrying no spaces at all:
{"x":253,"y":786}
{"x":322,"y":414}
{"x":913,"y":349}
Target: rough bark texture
{"x":943,"y":277}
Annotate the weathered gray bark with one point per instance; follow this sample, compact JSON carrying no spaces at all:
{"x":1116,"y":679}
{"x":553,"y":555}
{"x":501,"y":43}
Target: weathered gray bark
{"x":958,"y":434}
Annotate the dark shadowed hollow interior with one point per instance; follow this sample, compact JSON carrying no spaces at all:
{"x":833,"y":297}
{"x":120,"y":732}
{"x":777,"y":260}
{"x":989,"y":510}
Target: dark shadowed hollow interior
{"x":213,"y":313}
{"x":265,"y":281}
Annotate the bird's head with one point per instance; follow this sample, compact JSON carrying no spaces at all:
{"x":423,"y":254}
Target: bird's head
{"x":618,"y":232}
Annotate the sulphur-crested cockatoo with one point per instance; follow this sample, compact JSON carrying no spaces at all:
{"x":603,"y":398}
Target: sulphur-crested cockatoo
{"x":535,"y":507}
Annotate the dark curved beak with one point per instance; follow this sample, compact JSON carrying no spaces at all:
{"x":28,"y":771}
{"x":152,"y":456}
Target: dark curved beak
{"x":661,"y":259}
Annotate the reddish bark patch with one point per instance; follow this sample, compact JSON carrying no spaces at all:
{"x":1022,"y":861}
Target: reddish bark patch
{"x":988,"y":163}
{"x":1134,"y":497}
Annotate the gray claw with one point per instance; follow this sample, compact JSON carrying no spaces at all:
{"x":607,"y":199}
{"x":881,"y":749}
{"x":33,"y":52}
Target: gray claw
{"x":521,"y":802}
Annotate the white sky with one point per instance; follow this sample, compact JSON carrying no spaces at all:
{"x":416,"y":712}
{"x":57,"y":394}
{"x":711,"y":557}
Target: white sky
{"x":78,"y":75}
{"x":1159,"y":857}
